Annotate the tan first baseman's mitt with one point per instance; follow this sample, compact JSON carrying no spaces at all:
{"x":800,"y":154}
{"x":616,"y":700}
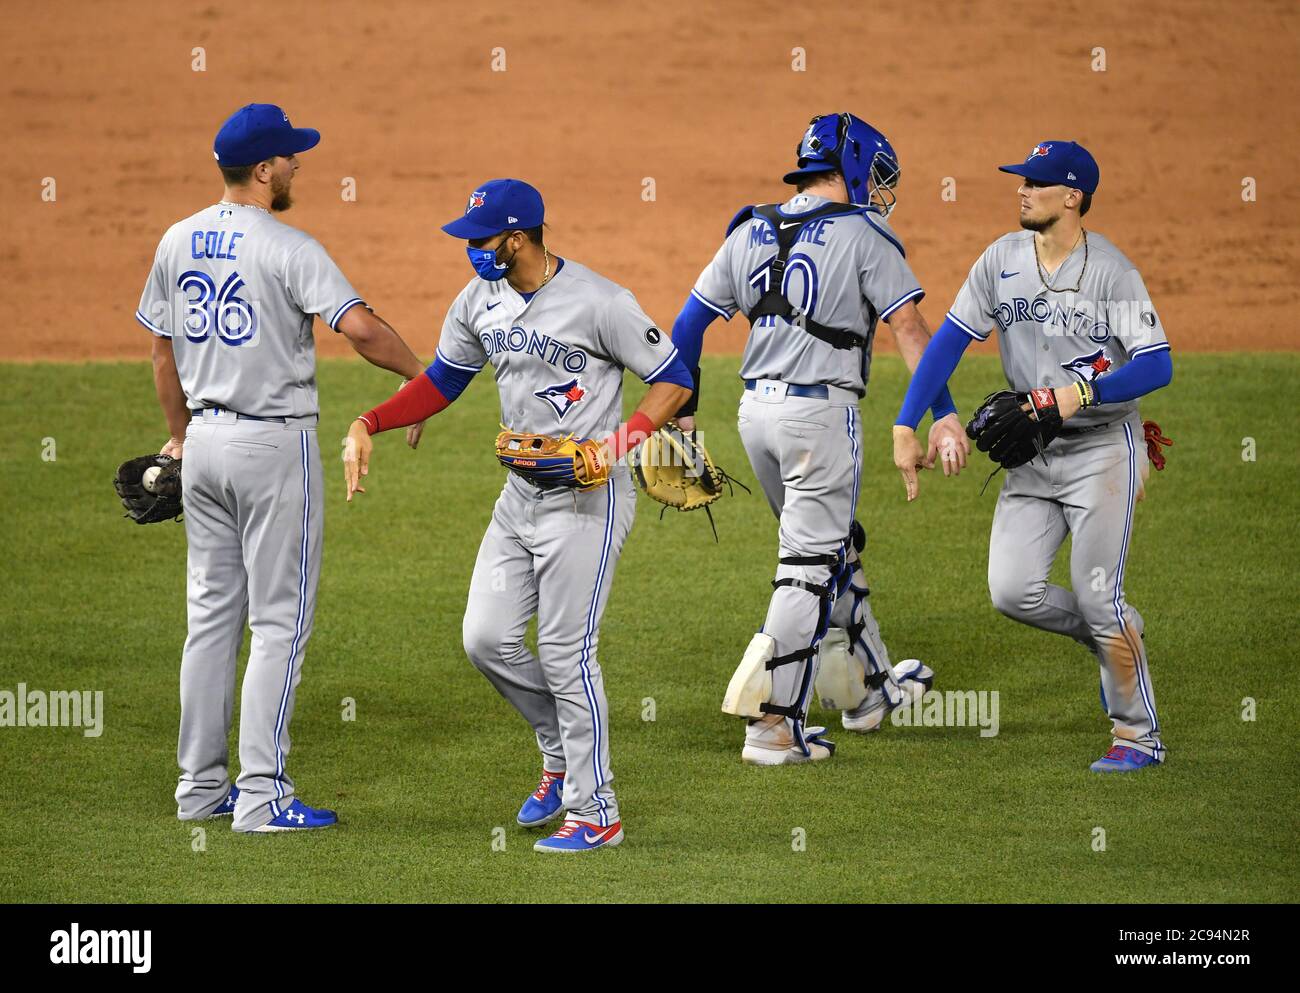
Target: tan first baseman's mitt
{"x":675,"y":469}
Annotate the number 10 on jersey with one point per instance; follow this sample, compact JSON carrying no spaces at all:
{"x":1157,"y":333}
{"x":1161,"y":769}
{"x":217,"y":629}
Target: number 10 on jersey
{"x":232,"y":317}
{"x":761,"y":279}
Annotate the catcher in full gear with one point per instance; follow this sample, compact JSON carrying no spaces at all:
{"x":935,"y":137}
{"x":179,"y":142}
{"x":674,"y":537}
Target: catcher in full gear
{"x":558,"y":338}
{"x":814,"y":275}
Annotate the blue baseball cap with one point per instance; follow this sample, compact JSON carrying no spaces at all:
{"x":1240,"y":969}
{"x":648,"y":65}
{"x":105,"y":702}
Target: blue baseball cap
{"x":258,"y":132}
{"x":1063,"y":163}
{"x":498,"y":205}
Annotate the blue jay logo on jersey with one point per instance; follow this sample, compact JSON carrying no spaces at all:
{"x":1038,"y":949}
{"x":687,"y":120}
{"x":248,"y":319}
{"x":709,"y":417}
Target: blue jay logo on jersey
{"x":562,"y":396}
{"x":1088,"y":367}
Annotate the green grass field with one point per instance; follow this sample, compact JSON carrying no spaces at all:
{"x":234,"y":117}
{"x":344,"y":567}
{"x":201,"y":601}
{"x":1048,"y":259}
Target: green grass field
{"x":435,"y":760}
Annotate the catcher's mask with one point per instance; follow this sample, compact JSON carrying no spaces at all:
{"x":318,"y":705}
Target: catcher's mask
{"x":861,"y":154}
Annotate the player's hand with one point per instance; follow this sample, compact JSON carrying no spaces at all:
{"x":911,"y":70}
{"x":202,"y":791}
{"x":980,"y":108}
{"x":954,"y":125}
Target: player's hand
{"x":909,"y":457}
{"x":356,"y":457}
{"x":1067,"y":401}
{"x":948,"y":442}
{"x":173,"y":448}
{"x":413,"y":433}
{"x":687,"y":423}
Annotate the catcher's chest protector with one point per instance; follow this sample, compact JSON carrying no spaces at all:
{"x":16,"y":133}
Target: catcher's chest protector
{"x":773,"y":302}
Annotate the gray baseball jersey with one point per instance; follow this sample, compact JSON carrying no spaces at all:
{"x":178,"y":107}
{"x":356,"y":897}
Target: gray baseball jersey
{"x":558,"y":357}
{"x":1057,"y":338}
{"x":1088,"y":485}
{"x":236,"y":290}
{"x":846,"y":272}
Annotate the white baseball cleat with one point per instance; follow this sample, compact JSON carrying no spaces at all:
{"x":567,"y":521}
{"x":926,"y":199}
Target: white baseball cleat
{"x":771,"y":742}
{"x":914,"y":678}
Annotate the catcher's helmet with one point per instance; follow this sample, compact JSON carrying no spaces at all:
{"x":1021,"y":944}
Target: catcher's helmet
{"x":863,"y":156}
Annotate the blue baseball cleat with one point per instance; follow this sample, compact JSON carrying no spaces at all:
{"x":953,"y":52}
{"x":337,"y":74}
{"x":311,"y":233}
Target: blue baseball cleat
{"x":226,"y":808}
{"x":581,"y":836}
{"x":298,"y":817}
{"x":545,"y":804}
{"x":1121,"y":758}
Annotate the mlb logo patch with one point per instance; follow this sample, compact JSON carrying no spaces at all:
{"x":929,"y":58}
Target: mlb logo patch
{"x":562,"y":396}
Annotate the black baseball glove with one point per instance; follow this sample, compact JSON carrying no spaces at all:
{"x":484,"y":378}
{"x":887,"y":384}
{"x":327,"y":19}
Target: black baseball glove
{"x":161,"y":500}
{"x":1010,"y":434}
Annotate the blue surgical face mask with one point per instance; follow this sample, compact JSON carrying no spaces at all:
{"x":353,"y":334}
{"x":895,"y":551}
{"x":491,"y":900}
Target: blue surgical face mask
{"x":484,"y":261}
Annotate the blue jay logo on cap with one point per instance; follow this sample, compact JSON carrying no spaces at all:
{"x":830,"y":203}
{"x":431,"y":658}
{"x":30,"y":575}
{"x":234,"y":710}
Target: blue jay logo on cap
{"x":1040,"y":151}
{"x":476,"y":199}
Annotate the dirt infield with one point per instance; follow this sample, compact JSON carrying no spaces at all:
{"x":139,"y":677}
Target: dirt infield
{"x":705,"y":99}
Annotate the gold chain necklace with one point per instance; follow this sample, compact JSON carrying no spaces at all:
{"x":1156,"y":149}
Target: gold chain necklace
{"x":546,"y":274}
{"x":1042,"y":275}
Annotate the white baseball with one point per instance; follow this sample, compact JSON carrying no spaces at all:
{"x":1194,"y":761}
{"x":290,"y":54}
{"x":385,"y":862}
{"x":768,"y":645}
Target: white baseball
{"x":150,"y":477}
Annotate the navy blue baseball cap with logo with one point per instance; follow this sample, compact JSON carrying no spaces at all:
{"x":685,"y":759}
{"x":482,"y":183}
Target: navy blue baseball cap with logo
{"x":498,"y":205}
{"x":258,"y":132}
{"x":1061,"y":163}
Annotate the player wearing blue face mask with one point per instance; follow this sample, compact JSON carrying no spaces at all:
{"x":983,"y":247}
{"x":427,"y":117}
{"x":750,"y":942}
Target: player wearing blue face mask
{"x":558,"y":337}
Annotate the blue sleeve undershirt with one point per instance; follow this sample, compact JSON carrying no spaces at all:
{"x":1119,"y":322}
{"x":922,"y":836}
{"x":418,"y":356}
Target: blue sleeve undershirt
{"x":450,"y":380}
{"x":676,"y":373}
{"x":1145,"y":374}
{"x":929,"y":385}
{"x":688,"y":330}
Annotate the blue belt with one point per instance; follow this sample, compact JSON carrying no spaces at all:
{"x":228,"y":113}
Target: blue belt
{"x":818,"y":392}
{"x":238,"y":416}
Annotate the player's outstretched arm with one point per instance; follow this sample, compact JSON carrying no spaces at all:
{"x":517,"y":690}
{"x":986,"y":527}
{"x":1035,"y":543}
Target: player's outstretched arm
{"x":929,"y":382}
{"x":688,"y":336}
{"x":657,"y":407}
{"x":375,"y":340}
{"x":171,"y":397}
{"x":432,"y":390}
{"x":947,"y":437}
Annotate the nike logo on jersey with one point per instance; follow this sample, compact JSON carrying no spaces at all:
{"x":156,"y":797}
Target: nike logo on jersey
{"x":1008,"y":275}
{"x":790,"y":225}
{"x":491,"y":305}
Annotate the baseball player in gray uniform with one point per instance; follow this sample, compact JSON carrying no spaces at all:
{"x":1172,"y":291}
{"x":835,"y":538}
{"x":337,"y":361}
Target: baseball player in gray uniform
{"x":1079,"y":331}
{"x":230,"y":301}
{"x":558,"y":337}
{"x":814,"y":275}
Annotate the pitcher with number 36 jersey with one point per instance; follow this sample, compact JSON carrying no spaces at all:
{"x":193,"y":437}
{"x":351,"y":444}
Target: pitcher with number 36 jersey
{"x":231,"y":301}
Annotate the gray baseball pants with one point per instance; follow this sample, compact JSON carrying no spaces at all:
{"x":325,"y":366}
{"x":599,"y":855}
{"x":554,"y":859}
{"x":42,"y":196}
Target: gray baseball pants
{"x":254,"y":521}
{"x":1087,"y":489}
{"x":552,"y":553}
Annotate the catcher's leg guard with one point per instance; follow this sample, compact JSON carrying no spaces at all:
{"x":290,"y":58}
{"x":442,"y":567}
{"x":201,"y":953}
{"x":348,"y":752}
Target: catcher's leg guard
{"x":841,"y":680}
{"x":867,"y":657}
{"x":797,"y":709}
{"x":750,"y":688}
